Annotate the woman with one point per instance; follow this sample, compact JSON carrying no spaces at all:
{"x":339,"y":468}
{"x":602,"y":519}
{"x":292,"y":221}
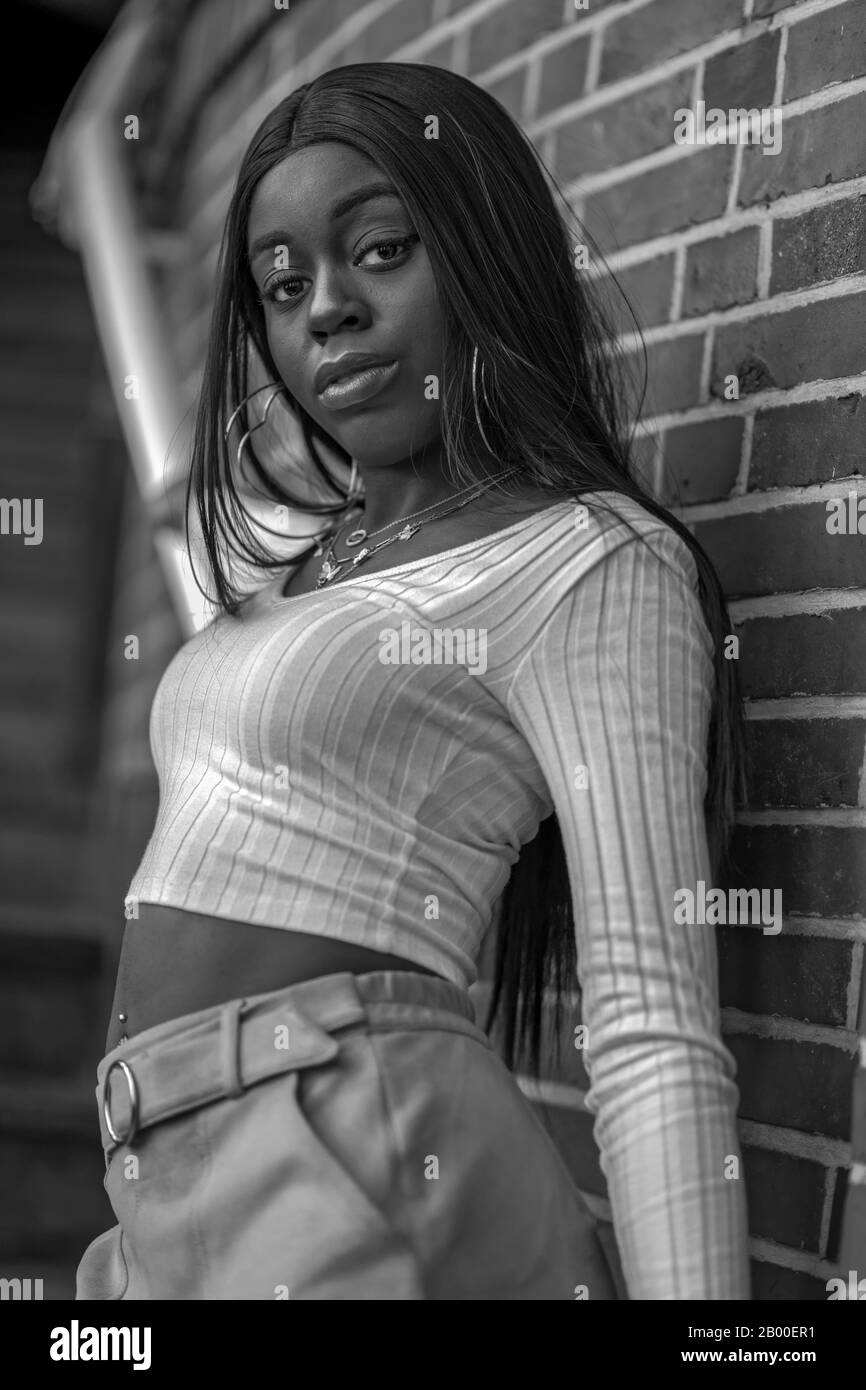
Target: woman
{"x":296,"y":1099}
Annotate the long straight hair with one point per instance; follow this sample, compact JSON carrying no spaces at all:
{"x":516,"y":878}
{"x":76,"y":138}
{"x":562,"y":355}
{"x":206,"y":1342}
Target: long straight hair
{"x":495,"y":226}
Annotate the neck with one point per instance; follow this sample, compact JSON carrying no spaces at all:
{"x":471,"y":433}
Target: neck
{"x":389,"y":498}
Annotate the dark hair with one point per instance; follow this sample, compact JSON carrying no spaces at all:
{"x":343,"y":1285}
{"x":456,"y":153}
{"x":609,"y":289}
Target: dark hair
{"x":485,"y":207}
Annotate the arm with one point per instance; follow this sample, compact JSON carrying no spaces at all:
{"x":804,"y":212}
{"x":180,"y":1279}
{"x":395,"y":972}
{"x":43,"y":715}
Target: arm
{"x":618,"y":680}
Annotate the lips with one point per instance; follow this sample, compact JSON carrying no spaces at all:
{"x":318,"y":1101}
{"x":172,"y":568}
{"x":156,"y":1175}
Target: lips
{"x":359,"y":387}
{"x":350,"y":362}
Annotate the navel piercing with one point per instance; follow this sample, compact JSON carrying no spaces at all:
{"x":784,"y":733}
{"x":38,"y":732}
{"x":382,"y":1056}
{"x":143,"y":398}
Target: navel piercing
{"x":121,"y":1018}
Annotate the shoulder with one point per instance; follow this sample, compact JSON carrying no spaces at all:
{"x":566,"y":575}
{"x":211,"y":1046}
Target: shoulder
{"x":604,"y":537}
{"x":617,"y":588}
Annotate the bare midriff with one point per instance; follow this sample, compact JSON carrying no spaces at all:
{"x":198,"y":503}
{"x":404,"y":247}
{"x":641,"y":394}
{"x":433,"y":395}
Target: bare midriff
{"x":174,"y":962}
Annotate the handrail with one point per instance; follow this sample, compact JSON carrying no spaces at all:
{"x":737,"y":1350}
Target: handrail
{"x":85,"y":187}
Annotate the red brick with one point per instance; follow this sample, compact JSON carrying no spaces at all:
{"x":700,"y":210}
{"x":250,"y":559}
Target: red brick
{"x":702,"y":460}
{"x":315,"y":23}
{"x":401,"y":24}
{"x":284,"y":41}
{"x":644,"y":451}
{"x":804,"y":977}
{"x":563,"y":74}
{"x":509,"y":90}
{"x":743,"y":76}
{"x":673,"y":374}
{"x":810,"y":442}
{"x":690,"y":190}
{"x":785,"y":1196}
{"x":799,"y":1085}
{"x":647,"y":286}
{"x":804,"y":654}
{"x":809,"y":343}
{"x":510,"y":29}
{"x":662,"y":30}
{"x":821,"y":870}
{"x":825,"y":48}
{"x":623,"y":131}
{"x":441,"y":55}
{"x":783,"y":550}
{"x":806,"y":762}
{"x":720,"y":272}
{"x":818,"y":147}
{"x":823,"y":244}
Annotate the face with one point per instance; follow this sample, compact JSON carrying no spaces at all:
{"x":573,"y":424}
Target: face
{"x":351,"y":279}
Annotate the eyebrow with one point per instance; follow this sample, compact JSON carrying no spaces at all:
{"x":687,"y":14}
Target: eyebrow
{"x":340,"y":209}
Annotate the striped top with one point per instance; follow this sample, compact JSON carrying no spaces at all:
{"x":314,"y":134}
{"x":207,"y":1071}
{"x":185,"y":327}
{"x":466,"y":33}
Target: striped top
{"x":367,"y":760}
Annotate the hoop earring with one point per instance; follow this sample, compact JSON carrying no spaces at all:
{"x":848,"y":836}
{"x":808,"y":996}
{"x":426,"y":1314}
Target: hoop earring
{"x":235,"y":413}
{"x":475,"y":397}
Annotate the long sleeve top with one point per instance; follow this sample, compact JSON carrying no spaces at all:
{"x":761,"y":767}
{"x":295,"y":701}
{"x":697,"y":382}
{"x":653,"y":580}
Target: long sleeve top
{"x":614,"y":696}
{"x":367,"y":761}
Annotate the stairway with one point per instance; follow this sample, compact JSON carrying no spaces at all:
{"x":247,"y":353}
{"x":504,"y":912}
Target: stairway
{"x":58,"y":443}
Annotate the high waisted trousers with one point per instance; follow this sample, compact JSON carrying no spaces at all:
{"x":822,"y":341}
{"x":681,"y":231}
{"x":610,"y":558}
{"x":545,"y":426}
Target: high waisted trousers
{"x":349,"y":1137}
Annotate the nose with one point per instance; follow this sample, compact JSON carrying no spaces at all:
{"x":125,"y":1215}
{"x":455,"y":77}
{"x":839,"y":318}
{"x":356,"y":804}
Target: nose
{"x":333,"y":303}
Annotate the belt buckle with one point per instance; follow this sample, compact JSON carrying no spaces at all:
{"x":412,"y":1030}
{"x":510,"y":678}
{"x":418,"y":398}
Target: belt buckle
{"x":133,"y":1100}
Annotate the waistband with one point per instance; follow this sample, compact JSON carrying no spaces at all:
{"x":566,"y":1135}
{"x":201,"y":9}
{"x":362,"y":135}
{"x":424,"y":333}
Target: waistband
{"x":218,"y":1052}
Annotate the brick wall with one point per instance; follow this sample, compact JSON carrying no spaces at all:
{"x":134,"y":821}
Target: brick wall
{"x":740,"y":265}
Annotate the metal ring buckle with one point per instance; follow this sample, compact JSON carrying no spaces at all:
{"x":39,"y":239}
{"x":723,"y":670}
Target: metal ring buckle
{"x":133,"y":1100}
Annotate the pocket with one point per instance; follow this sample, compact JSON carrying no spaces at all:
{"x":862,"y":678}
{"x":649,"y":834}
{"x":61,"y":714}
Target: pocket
{"x":498,"y":1215}
{"x":102,"y":1272}
{"x":344,"y":1176}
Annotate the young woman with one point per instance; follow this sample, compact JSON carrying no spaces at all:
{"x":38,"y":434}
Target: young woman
{"x":488,"y":703}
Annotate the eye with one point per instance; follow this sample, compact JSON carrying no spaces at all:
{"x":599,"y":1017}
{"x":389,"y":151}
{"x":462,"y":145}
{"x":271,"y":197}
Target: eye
{"x":273,"y":290}
{"x":401,"y":243}
{"x":273,"y":287}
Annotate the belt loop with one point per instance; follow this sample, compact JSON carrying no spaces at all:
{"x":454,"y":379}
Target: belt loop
{"x":230,"y":1059}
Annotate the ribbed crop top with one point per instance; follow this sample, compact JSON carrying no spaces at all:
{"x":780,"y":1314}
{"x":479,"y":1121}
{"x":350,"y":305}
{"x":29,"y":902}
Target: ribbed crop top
{"x":367,"y":760}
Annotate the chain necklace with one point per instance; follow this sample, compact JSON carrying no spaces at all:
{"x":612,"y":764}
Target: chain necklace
{"x":359,"y":534}
{"x":332,"y":566}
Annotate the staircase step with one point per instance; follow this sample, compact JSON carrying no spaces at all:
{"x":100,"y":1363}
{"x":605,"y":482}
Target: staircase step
{"x":56,"y":1174}
{"x":32,"y":1106}
{"x":39,"y":865}
{"x":50,"y":1011}
{"x":30,"y":921}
